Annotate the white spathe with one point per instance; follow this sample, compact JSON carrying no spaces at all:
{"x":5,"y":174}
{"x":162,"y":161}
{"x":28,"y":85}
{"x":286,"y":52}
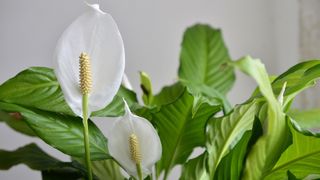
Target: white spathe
{"x":149,"y":142}
{"x":95,"y":33}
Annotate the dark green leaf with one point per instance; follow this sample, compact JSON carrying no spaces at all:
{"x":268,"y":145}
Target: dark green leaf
{"x":17,"y":123}
{"x":231,"y":165}
{"x":37,"y":87}
{"x":36,"y":159}
{"x":61,"y":174}
{"x":30,"y":155}
{"x":62,"y":132}
{"x":291,"y":176}
{"x":180,"y":131}
{"x":203,"y":57}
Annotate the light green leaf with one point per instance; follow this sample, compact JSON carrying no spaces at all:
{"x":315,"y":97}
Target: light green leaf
{"x":301,"y":158}
{"x":202,"y":57}
{"x":298,"y":78}
{"x":62,"y":132}
{"x":195,"y":169}
{"x":179,"y":131}
{"x":306,"y":121}
{"x":266,"y":151}
{"x":225,"y":132}
{"x":105,"y":169}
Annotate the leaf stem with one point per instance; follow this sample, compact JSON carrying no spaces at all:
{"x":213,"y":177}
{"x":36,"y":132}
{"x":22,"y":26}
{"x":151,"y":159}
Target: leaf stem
{"x":86,"y":134}
{"x":139,"y":171}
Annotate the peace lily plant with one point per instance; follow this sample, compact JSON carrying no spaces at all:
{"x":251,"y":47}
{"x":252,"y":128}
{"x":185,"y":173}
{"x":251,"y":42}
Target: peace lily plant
{"x":261,"y":138}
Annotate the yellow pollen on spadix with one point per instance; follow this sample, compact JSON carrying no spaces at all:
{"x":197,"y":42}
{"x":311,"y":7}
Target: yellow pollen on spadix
{"x":135,"y":149}
{"x":85,"y":73}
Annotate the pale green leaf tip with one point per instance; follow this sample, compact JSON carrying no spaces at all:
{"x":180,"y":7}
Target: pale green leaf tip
{"x":281,"y":94}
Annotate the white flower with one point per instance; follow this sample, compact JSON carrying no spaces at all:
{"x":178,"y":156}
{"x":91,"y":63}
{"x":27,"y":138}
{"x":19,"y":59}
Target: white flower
{"x":96,"y":35}
{"x":131,"y":139}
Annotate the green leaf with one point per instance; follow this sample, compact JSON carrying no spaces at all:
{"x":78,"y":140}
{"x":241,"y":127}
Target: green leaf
{"x":61,"y":174}
{"x":168,"y":94}
{"x":35,"y":158}
{"x":37,"y":87}
{"x":18,"y":123}
{"x":291,"y":176}
{"x":179,"y":131}
{"x":116,"y":107}
{"x":30,"y":155}
{"x":267,"y":150}
{"x":62,"y":132}
{"x":225,"y":132}
{"x":301,"y":158}
{"x":298,"y":78}
{"x":202,"y":59}
{"x":195,"y":168}
{"x":306,"y":121}
{"x":231,"y":165}
{"x":105,"y":169}
{"x":145,"y":84}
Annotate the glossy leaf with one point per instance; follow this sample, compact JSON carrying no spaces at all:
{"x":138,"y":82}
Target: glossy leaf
{"x":231,"y":165}
{"x":116,"y":107}
{"x":37,"y":87}
{"x":202,"y":57}
{"x":306,"y":121}
{"x":62,"y":132}
{"x":301,"y":158}
{"x":195,"y":168}
{"x":225,"y":132}
{"x":168,"y":94}
{"x":180,"y":131}
{"x":276,"y":138}
{"x":298,"y":78}
{"x":16,"y":123}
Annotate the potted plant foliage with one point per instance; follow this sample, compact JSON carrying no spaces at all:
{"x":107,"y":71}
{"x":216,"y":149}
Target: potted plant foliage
{"x":262,"y":138}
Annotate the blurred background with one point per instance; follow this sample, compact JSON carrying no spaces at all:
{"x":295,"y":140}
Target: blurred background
{"x":280,"y":32}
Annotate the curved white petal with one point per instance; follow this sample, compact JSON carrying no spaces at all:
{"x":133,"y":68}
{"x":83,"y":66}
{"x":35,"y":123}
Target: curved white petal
{"x":150,"y":145}
{"x":96,"y":34}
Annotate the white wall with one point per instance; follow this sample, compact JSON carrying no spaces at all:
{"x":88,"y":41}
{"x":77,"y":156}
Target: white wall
{"x":152,"y":32}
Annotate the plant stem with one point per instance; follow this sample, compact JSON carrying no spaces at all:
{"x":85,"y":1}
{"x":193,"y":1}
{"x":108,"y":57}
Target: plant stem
{"x":139,"y":171}
{"x":86,"y":134}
